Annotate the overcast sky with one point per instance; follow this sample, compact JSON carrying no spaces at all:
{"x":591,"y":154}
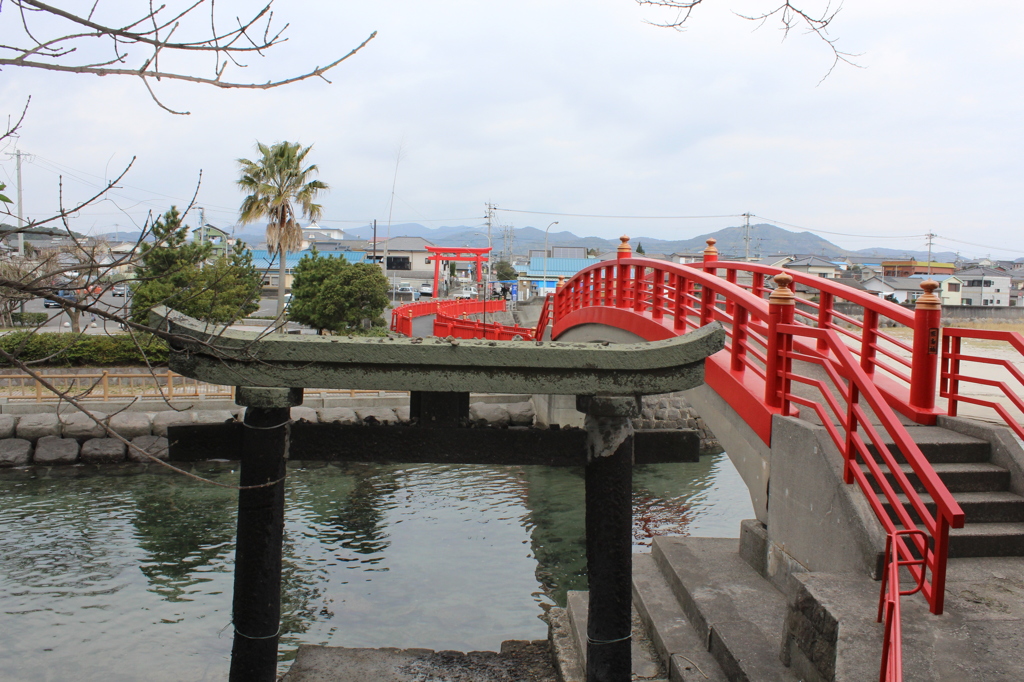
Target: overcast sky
{"x":578,"y":107}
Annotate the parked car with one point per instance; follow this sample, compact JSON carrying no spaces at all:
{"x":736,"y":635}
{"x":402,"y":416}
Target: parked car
{"x":402,"y":292}
{"x":62,"y":293}
{"x":464,"y":293}
{"x":426,"y":289}
{"x":119,"y":290}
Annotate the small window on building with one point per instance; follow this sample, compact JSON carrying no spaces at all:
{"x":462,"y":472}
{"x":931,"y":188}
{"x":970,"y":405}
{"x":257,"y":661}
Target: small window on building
{"x":953,"y":288}
{"x":966,"y":301}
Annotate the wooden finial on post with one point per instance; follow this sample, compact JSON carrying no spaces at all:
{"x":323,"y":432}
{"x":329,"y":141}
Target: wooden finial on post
{"x":783,"y":295}
{"x":929,"y":300}
{"x":924,"y":367}
{"x":711,"y":253}
{"x":561,"y":282}
{"x":624,"y":250}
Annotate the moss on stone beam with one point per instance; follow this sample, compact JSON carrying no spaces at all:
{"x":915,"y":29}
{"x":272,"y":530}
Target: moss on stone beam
{"x":242,"y":358}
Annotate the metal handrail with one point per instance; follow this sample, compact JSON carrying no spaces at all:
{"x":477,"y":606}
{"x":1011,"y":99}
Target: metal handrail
{"x":656,"y":300}
{"x":952,"y":375}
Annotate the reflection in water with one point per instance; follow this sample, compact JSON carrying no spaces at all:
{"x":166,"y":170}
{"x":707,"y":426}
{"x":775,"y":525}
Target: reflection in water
{"x":124,"y":578}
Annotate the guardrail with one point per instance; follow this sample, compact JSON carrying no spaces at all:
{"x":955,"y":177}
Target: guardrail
{"x":755,"y":374}
{"x":953,"y":374}
{"x":402,"y":316}
{"x":475,"y":329}
{"x":905,"y":372}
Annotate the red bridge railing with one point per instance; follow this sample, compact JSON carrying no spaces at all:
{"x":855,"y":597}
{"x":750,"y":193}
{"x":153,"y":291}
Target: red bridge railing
{"x":954,"y":375}
{"x":461,"y":328}
{"x":402,"y":316}
{"x":755,"y":374}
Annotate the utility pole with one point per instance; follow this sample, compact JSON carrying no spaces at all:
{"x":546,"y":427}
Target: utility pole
{"x":490,"y":219}
{"x":930,"y":237}
{"x":375,"y":240}
{"x":746,"y":237}
{"x":20,"y":215}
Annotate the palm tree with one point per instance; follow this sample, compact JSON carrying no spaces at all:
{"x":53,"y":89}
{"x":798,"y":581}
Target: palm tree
{"x":276,"y":184}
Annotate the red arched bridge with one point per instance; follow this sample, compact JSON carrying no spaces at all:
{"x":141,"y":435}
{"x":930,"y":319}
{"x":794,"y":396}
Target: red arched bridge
{"x":861,"y":367}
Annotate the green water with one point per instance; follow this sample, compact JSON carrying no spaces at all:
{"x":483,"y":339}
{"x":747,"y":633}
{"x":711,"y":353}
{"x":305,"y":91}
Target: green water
{"x":128,"y":578}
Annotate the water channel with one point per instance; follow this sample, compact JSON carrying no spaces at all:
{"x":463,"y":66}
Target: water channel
{"x":129,"y":577}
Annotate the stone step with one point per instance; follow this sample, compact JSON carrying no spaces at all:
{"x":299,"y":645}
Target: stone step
{"x":959,"y":477}
{"x":646,"y":665}
{"x":987,"y":540}
{"x":682,"y":652}
{"x":983,"y":507}
{"x":941,"y":445}
{"x":739,"y":613}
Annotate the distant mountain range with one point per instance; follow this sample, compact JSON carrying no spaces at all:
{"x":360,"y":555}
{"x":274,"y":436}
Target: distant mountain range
{"x":765,"y":240}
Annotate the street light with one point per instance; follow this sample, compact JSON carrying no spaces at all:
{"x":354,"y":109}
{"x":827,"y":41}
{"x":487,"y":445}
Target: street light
{"x":546,"y":257}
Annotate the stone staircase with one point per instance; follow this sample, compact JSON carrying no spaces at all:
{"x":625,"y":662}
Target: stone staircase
{"x":742,"y":610}
{"x":993,"y":513}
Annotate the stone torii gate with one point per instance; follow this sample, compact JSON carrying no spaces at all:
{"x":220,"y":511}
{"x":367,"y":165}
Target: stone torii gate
{"x":270,"y":372}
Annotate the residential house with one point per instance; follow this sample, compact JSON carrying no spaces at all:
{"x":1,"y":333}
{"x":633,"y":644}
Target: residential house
{"x":909,"y":268}
{"x":815,"y":266}
{"x":985,"y":287}
{"x":950,"y":288}
{"x":216,"y":237}
{"x":898,"y":289}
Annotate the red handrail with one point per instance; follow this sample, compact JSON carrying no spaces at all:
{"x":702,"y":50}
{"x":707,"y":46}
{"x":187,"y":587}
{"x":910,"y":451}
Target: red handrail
{"x":460,"y":328}
{"x":908,"y":384}
{"x":545,"y":317}
{"x":657,"y":300}
{"x":889,"y":605}
{"x":402,"y":316}
{"x":953,"y":373}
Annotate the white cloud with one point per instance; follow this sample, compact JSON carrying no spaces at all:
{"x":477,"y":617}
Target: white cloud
{"x":580,"y":107}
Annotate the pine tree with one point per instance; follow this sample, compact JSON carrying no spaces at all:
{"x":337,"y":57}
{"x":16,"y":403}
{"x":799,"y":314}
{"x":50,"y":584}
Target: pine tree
{"x":331,"y":293}
{"x":175,"y":272}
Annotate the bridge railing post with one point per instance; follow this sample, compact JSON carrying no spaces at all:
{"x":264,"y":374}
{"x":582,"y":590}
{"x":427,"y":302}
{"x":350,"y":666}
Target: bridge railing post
{"x":825,"y":306}
{"x":925,"y":358}
{"x":781,"y":307}
{"x":622,"y":271}
{"x":707,"y":297}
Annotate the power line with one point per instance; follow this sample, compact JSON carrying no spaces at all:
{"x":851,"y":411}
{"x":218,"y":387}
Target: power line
{"x":842,"y":234}
{"x":980,"y":246}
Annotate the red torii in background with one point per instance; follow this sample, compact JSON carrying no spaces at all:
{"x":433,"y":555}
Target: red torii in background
{"x":449,"y":253}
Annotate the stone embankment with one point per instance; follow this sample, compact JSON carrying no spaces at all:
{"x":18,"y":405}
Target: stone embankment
{"x":48,"y":439}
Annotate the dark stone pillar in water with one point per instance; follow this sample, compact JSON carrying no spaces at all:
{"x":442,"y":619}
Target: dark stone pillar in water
{"x":439,"y":408}
{"x":609,"y":526}
{"x":256,"y":606}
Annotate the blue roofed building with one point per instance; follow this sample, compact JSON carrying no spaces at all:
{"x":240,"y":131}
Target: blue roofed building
{"x":269,"y":264}
{"x":534,"y":276}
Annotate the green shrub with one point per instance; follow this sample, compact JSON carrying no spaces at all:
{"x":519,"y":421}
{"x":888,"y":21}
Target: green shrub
{"x":74,"y":350}
{"x":29,"y":319}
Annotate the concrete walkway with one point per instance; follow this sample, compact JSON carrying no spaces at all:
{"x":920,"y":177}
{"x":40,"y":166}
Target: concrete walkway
{"x":518,"y":661}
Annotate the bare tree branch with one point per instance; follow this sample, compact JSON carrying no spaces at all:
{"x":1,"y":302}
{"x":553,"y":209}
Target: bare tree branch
{"x":788,"y":14}
{"x":154,"y":33}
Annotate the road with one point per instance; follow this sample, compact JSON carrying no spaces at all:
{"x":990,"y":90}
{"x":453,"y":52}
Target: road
{"x":59,"y":320}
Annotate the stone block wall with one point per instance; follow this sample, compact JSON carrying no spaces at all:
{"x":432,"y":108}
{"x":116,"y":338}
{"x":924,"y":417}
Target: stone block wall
{"x":672,"y":411}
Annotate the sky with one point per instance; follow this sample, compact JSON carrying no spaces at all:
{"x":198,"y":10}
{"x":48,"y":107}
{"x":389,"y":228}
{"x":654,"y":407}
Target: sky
{"x":571,"y":110}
